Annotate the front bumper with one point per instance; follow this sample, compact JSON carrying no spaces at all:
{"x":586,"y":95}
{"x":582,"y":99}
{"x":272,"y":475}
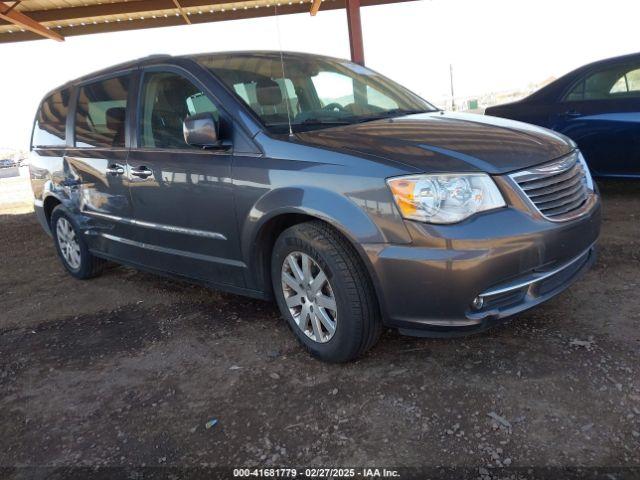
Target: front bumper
{"x":510,"y":258}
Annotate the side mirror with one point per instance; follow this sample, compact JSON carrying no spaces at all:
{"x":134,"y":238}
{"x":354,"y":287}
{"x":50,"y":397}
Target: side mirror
{"x":201,"y":130}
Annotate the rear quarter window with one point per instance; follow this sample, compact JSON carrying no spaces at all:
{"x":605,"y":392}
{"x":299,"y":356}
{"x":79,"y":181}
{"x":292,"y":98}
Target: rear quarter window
{"x":51,"y":120}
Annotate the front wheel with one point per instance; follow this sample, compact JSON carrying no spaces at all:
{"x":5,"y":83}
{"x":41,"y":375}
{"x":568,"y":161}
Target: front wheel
{"x":71,"y":247}
{"x":324,"y":292}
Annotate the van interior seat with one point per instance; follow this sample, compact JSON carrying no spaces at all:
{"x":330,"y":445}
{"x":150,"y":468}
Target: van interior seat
{"x":268,"y":93}
{"x":115,"y":119}
{"x":169,"y":111}
{"x":270,"y":98}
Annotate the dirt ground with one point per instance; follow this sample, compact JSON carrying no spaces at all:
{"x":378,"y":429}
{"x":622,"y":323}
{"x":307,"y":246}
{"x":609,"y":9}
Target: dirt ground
{"x":126,"y":370}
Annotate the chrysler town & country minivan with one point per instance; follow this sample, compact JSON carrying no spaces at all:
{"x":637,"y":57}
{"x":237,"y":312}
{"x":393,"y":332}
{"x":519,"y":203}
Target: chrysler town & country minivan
{"x":316,"y":182}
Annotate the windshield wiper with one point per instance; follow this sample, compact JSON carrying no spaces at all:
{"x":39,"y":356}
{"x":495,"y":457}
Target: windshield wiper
{"x":315,"y":122}
{"x":393,"y":113}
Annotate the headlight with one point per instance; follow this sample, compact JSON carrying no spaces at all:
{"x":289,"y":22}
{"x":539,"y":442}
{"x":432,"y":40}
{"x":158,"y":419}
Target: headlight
{"x":588,"y":180}
{"x":446,"y":198}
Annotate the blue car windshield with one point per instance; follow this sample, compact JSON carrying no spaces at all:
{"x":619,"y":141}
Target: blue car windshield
{"x":310,"y":92}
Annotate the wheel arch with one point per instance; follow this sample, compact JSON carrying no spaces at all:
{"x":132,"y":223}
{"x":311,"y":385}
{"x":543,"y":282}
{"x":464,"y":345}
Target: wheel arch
{"x":282,"y":209}
{"x":50,"y":202}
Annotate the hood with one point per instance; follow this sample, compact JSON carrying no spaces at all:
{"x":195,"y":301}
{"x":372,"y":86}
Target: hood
{"x":446,"y":142}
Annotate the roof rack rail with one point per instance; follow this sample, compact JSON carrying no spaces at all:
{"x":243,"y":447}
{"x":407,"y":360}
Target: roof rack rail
{"x":121,"y":66}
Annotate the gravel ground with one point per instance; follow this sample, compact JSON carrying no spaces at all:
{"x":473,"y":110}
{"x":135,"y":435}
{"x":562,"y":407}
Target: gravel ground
{"x":128,"y":368}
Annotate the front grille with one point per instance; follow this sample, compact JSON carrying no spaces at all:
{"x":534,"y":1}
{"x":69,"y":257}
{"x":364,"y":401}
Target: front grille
{"x":557,"y":189}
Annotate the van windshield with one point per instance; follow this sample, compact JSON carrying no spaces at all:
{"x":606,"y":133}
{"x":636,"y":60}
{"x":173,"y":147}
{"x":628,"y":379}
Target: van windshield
{"x":311,"y":92}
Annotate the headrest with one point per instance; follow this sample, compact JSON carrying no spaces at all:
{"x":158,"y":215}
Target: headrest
{"x":115,"y":118}
{"x":268,"y":93}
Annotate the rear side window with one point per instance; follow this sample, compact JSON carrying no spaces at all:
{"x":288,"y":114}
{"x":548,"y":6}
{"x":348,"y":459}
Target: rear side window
{"x":49,"y":129}
{"x":101,"y":114}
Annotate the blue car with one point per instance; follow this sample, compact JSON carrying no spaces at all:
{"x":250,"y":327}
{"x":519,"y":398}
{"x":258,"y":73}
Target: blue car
{"x":597,"y":106}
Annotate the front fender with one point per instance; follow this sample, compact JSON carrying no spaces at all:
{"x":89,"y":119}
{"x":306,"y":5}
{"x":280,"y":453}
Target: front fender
{"x":337,"y":210}
{"x":325,"y":205}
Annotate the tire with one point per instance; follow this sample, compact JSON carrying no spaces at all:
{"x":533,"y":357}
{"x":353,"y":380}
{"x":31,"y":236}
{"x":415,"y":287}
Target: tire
{"x":357,"y":319}
{"x":82,"y":264}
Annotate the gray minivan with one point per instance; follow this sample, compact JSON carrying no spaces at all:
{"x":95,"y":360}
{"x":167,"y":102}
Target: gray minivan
{"x":316,"y":182}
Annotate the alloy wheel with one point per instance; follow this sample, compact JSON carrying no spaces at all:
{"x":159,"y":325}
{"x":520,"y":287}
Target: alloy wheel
{"x":68,"y":243}
{"x":309,"y":297}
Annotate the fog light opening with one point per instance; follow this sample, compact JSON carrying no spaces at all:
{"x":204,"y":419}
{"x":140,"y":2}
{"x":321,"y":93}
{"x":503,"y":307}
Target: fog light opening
{"x":477,"y":303}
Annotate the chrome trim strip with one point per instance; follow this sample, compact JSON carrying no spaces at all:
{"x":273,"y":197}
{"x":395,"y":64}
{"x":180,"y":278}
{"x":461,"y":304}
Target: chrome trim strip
{"x":158,"y":226}
{"x":542,"y":276}
{"x":556,"y":167}
{"x":172,"y":251}
{"x":551,"y":168}
{"x":450,"y":323}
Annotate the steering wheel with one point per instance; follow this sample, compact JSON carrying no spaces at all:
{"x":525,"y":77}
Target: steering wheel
{"x":333,"y":106}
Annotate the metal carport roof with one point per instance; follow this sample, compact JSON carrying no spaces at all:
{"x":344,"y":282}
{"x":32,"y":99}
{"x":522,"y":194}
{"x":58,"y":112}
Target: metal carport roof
{"x":23,"y":20}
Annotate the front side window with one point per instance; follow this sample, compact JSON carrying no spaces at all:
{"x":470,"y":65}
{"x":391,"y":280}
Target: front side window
{"x":627,"y":83}
{"x":167,"y":100}
{"x":312,"y":92}
{"x":622,"y":81}
{"x":51,"y":121}
{"x":101,"y":114}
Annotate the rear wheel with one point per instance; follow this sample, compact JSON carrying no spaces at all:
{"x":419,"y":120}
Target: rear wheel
{"x":71,"y":247}
{"x":324,"y":292}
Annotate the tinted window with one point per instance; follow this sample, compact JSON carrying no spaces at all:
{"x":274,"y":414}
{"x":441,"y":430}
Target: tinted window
{"x":51,"y":120}
{"x":577,"y":94}
{"x":168,"y":99}
{"x":621,"y":81}
{"x":101,"y":114}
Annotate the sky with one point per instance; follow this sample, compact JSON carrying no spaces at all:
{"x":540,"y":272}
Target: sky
{"x":493,"y":46}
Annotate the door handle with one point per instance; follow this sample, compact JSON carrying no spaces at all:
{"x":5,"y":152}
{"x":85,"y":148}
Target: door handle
{"x":115,"y":169}
{"x":572,"y":113}
{"x":141,"y":172}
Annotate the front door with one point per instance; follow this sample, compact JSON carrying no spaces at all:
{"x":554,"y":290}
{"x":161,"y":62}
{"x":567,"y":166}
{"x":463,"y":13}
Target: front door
{"x":182,"y":195}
